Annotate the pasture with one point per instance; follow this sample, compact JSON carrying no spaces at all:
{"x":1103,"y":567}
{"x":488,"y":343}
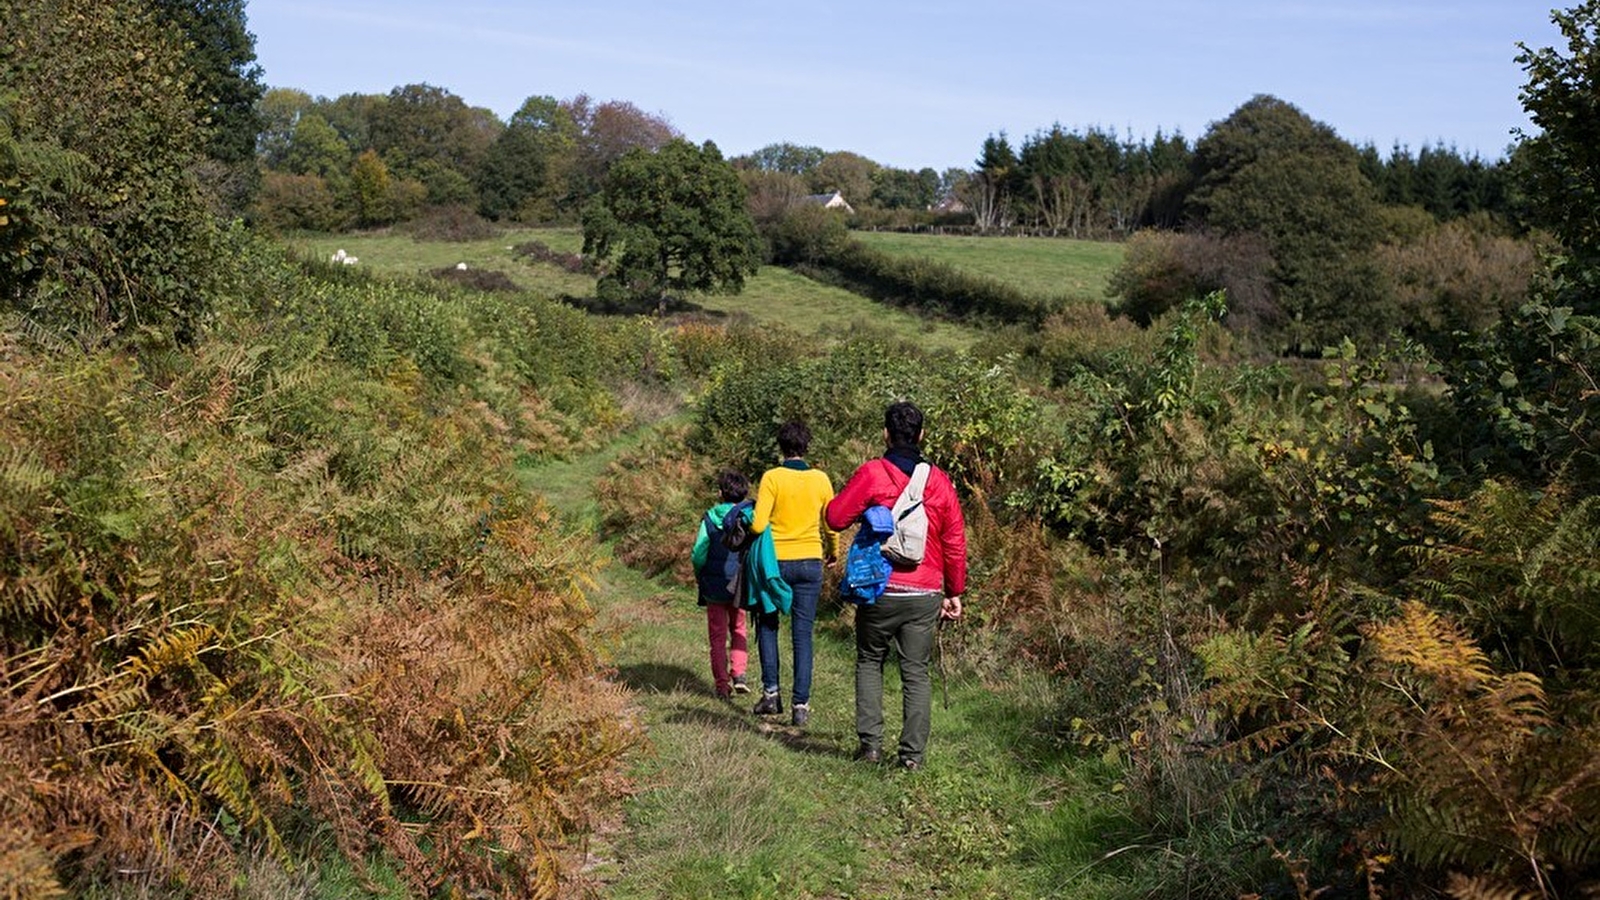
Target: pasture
{"x":775,"y":296}
{"x":1043,"y":267}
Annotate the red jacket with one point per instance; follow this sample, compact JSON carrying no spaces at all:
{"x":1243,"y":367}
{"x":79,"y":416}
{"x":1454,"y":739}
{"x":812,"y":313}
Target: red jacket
{"x":944,"y":560}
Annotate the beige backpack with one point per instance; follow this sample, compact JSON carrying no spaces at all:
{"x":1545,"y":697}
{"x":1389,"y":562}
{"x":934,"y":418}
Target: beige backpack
{"x":906,"y":546}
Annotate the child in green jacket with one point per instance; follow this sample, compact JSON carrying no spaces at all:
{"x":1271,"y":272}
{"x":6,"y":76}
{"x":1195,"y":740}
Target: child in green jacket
{"x":716,"y":570}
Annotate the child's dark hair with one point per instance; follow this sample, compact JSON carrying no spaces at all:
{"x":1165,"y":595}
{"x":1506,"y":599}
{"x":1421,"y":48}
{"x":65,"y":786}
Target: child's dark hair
{"x":794,"y":438}
{"x":733,"y":486}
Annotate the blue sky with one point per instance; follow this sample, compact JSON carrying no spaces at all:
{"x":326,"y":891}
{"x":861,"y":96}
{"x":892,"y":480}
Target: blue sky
{"x":922,"y":84}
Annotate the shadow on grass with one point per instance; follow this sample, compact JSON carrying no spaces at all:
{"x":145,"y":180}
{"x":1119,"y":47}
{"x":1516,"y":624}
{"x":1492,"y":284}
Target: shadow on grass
{"x":734,"y":717}
{"x":659,"y":678}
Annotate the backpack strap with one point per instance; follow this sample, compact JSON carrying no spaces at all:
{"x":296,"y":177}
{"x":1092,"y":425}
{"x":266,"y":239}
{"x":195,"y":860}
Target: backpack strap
{"x":917,"y":482}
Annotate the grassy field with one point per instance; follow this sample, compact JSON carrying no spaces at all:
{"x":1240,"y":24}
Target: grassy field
{"x":775,"y":296}
{"x":399,"y":255}
{"x":1044,"y":267}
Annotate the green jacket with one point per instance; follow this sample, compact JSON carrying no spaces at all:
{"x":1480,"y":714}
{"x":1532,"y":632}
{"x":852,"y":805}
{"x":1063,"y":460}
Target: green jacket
{"x":764,"y":588}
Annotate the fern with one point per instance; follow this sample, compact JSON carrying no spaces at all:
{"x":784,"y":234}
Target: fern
{"x":1482,"y":776}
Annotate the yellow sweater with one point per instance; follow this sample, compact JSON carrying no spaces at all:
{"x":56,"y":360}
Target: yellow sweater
{"x":791,"y":500}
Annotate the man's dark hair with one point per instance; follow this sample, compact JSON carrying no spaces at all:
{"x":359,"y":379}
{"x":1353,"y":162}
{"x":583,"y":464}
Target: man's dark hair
{"x":732,"y":486}
{"x":903,"y":421}
{"x":794,"y":438}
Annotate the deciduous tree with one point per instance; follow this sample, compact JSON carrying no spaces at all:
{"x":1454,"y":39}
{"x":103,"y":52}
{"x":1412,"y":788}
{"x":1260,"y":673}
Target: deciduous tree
{"x":105,"y":224}
{"x":1269,"y":169}
{"x":1561,"y":164}
{"x":671,"y":219}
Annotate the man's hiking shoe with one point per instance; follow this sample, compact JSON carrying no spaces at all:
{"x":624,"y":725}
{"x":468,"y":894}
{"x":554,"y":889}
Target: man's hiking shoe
{"x":768,"y":705}
{"x":802,"y":715}
{"x":869,"y":754}
{"x":909,"y":765}
{"x":739,"y":685}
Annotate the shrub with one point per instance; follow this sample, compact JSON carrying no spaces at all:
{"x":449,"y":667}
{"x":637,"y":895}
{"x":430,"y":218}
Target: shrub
{"x":100,"y":138}
{"x":476,"y":279}
{"x":1458,"y":278}
{"x":451,"y":222}
{"x":288,"y":202}
{"x":537,"y":251}
{"x":1163,"y":269}
{"x":928,"y":285}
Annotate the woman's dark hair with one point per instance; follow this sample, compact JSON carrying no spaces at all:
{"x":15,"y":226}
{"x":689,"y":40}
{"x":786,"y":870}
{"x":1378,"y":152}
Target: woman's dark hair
{"x":794,"y":438}
{"x":903,"y":421}
{"x":732,"y":486}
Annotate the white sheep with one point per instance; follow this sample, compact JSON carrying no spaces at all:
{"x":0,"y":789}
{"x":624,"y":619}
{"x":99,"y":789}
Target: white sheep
{"x":461,"y":267}
{"x":338,"y":256}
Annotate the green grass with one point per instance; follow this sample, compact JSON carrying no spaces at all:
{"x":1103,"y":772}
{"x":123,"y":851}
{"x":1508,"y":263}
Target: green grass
{"x":729,"y":805}
{"x":1043,"y":267}
{"x":398,"y":255}
{"x":775,"y":296}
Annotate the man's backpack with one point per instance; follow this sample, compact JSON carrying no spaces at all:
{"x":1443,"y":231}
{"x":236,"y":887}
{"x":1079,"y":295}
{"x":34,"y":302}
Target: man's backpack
{"x":718,"y":578}
{"x":906,"y":545}
{"x":866,"y":572}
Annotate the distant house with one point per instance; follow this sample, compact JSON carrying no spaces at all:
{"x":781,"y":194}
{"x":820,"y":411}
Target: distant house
{"x":949,"y":205}
{"x":833,"y":200}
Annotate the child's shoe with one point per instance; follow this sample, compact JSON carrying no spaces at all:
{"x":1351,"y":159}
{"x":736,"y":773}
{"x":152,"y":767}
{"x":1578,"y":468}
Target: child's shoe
{"x":740,"y":686}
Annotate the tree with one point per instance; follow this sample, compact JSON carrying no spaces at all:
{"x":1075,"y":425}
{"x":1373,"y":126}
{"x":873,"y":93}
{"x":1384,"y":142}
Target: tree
{"x":524,"y":174}
{"x":671,"y":219}
{"x":221,"y":57}
{"x":1561,"y":166}
{"x":606,"y":132}
{"x":785,"y":157}
{"x":370,"y":189}
{"x":315,"y":148}
{"x":993,"y":185}
{"x":280,"y":110}
{"x":428,"y":134}
{"x":904,"y":189}
{"x":1270,"y":170}
{"x":848,"y":173}
{"x":105,"y":226}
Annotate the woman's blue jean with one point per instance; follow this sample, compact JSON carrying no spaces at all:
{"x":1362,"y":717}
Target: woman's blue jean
{"x":805,"y":579}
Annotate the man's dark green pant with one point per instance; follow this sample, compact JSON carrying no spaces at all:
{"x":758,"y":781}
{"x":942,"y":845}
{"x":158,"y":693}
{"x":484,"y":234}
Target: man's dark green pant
{"x":906,"y":623}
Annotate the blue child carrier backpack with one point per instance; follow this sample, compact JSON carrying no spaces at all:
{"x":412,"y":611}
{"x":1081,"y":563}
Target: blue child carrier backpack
{"x":866,"y":571}
{"x":718,"y":579}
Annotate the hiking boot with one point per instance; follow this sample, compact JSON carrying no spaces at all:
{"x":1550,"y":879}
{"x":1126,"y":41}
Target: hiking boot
{"x":768,"y":705}
{"x":739,"y":685}
{"x":802,"y":715}
{"x":908,"y":764}
{"x":868,"y":754}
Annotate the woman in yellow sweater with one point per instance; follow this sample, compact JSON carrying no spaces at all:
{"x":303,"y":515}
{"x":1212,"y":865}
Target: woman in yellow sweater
{"x":790,"y":501}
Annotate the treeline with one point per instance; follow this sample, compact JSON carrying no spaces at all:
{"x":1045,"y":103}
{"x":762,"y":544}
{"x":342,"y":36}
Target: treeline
{"x":363,"y":160}
{"x":1098,"y":184}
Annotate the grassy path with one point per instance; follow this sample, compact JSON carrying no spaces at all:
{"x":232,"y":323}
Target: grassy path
{"x":729,"y":805}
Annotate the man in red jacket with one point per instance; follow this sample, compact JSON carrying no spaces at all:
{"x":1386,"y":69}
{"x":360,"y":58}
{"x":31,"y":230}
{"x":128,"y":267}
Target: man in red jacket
{"x":907,"y":615}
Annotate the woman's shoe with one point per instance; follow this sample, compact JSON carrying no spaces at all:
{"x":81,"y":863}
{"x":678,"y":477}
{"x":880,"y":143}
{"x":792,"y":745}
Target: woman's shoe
{"x":768,"y":705}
